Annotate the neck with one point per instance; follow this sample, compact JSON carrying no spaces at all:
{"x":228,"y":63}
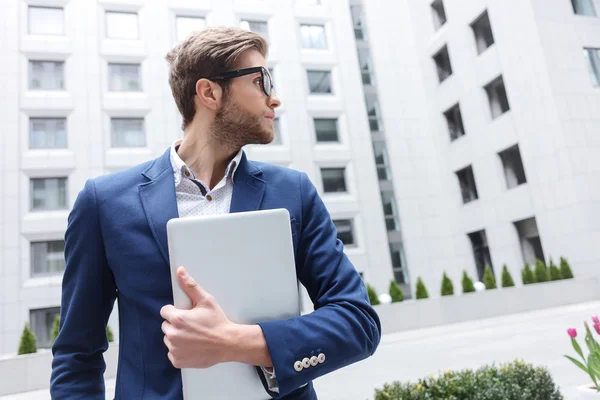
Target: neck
{"x":204,"y":156}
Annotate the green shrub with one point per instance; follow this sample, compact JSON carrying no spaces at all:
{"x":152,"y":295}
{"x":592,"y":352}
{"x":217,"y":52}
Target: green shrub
{"x":489,"y":279}
{"x":554,"y":272}
{"x":447,"y":286}
{"x":507,"y":280}
{"x":467,"y":283}
{"x":421,"y":290}
{"x":395,"y":292}
{"x":511,"y":381}
{"x":28,"y":343}
{"x":565,"y":269}
{"x":527,"y":275}
{"x":541,"y":272}
{"x":109,"y":334}
{"x":372,"y":295}
{"x":55,"y":326}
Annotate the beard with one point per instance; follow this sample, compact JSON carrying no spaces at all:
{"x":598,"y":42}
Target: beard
{"x":235,"y":127}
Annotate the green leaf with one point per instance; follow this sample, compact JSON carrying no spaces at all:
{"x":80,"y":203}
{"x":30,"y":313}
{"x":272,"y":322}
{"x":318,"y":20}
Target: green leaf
{"x":579,"y":364}
{"x":594,"y":364}
{"x":577,"y":348}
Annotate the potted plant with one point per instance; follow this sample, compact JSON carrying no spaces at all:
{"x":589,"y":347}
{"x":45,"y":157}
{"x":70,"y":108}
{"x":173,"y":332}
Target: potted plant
{"x":591,"y":364}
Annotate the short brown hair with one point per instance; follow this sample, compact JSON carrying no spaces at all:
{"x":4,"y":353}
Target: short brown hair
{"x":204,"y":54}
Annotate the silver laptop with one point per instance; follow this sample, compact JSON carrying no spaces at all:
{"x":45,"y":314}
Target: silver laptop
{"x":246,"y":261}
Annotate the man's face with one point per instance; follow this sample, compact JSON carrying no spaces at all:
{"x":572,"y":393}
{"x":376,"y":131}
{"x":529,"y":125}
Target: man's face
{"x":246,"y":113}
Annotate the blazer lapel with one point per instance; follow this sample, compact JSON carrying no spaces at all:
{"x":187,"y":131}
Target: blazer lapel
{"x":248,"y":187}
{"x":159,"y":200}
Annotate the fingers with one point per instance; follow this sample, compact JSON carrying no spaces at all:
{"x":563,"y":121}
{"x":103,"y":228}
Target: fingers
{"x":191,"y":287}
{"x":168,"y":312}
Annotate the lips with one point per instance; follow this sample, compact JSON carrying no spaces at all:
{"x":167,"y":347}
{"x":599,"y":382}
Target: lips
{"x":270,"y":116}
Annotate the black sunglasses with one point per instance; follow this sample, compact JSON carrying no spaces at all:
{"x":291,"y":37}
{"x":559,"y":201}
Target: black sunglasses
{"x":266,"y":80}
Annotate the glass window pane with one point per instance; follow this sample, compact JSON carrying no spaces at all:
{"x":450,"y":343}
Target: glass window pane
{"x":48,"y":194}
{"x":121,"y":25}
{"x":364,"y":59}
{"x":47,"y":257}
{"x":41,"y":324}
{"x":259,"y":27}
{"x":46,"y":21}
{"x":47,"y":133}
{"x":326,"y":129}
{"x":276,"y":132}
{"x":313,"y":36}
{"x":46,"y":75}
{"x":187,"y":25}
{"x":345,"y":231}
{"x":319,"y":82}
{"x":334,"y":180}
{"x":127,"y":132}
{"x":124,"y":77}
{"x":584,"y":7}
{"x":593,"y":60}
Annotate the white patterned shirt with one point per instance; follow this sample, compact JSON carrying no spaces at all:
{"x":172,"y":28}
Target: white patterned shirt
{"x":194,"y":198}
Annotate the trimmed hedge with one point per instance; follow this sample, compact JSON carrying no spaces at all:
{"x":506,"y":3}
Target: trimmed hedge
{"x":511,"y":381}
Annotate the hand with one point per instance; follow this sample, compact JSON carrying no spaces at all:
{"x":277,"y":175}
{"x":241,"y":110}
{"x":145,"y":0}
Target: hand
{"x":200,"y":337}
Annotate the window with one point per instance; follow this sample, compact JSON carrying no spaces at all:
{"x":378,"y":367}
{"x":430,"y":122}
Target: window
{"x":127,"y":132}
{"x":366,"y":69}
{"x":399,"y":263}
{"x":46,"y":21}
{"x":124,"y":77}
{"x":48,"y":194}
{"x":41,"y":325}
{"x":47,"y":133}
{"x":356,"y":11}
{"x":313,"y":36}
{"x":482,"y":30}
{"x":260,"y":27}
{"x":373,"y":112}
{"x":442,"y":63}
{"x":455,"y":122}
{"x":381,"y":160}
{"x":513,"y":167}
{"x":47,"y":257}
{"x":276,"y":131}
{"x":345,"y":231}
{"x":326,"y":129}
{"x":319,"y":82}
{"x":334,"y":180}
{"x":46,"y":75}
{"x":390,"y":211}
{"x":186,"y":25}
{"x":593,"y":58}
{"x":468,"y":189}
{"x":584,"y":7}
{"x":439,"y":13}
{"x":497,"y":97}
{"x":121,"y":25}
{"x":481,"y":252}
{"x":529,"y":237}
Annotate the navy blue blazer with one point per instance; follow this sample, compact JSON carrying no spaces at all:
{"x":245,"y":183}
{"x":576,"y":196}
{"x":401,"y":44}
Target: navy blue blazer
{"x":116,"y":247}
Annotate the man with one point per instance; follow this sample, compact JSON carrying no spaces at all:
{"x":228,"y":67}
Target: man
{"x":116,"y":247}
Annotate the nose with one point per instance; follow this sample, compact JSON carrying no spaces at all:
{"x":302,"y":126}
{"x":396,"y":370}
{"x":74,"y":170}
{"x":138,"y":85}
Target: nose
{"x":274,"y":101}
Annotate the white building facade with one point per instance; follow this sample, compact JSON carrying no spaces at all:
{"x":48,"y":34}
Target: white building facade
{"x":85,"y":93}
{"x":492,"y":116}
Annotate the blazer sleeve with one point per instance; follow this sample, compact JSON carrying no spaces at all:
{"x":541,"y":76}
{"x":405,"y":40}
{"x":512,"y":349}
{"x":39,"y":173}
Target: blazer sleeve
{"x":344,"y":328}
{"x":88,"y":296}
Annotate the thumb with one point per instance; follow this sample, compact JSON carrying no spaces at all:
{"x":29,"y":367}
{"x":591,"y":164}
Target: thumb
{"x":190,"y":287}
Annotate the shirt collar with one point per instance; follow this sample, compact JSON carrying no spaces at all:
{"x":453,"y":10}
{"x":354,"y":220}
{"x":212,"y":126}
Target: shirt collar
{"x":181,"y":170}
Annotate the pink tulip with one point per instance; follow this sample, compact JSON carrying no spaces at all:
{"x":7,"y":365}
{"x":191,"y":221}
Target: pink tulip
{"x":572,"y":332}
{"x":597,"y":328}
{"x":596,"y":319}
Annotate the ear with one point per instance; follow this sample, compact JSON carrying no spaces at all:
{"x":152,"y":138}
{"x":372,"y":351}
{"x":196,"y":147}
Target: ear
{"x":208,"y":93}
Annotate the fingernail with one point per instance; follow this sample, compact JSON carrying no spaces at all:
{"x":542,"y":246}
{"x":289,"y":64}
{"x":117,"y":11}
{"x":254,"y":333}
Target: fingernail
{"x":184,"y":274}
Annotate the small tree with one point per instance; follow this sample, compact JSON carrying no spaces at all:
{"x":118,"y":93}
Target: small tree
{"x":395,"y":292}
{"x":447,"y":286}
{"x":109,"y":334}
{"x":554,"y":272}
{"x":421,"y":290}
{"x":565,"y":269}
{"x":507,"y":280}
{"x":467,"y":283}
{"x":489,"y":279}
{"x":28,"y":343}
{"x":55,"y":326}
{"x":541,"y":272}
{"x":527,"y":275}
{"x":372,"y":295}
